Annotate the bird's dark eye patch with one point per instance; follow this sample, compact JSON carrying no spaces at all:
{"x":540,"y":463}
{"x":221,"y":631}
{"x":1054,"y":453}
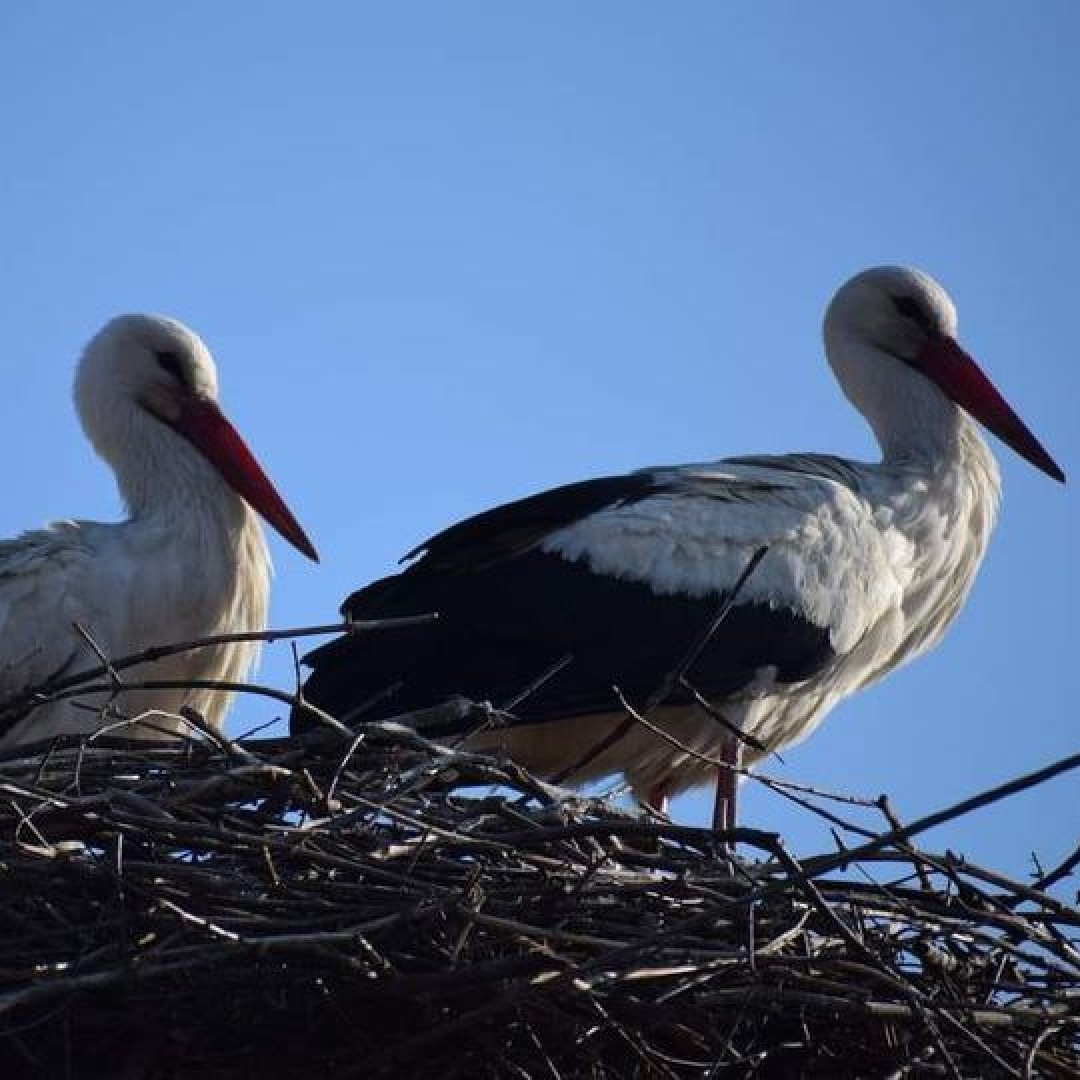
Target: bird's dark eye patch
{"x":909,"y":308}
{"x":172,"y":363}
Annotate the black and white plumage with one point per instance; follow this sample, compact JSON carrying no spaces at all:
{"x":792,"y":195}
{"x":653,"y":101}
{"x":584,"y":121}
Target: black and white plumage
{"x":866,"y":566}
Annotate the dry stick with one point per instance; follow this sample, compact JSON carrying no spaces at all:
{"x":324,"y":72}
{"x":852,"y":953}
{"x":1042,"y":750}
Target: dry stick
{"x":816,"y":792}
{"x":227,"y":746}
{"x":601,"y":963}
{"x":920,"y":1006}
{"x":789,"y":792}
{"x":535,"y":685}
{"x":707,"y":706}
{"x":997,"y":912}
{"x":99,"y":652}
{"x":770,"y":782}
{"x":894,"y":823}
{"x":50,"y":687}
{"x":205,"y":836}
{"x":340,"y":770}
{"x":1019,"y":889}
{"x":816,"y":868}
{"x":506,"y":709}
{"x":798,"y":873}
{"x":777,"y":786}
{"x":897,"y":837}
{"x":1033,"y":1050}
{"x":221,"y":685}
{"x":1061,"y":871}
{"x":668,"y":683}
{"x":841,"y":1004}
{"x":663,"y":691}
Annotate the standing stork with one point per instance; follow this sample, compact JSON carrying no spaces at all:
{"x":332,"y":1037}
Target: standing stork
{"x":190,"y":561}
{"x":609,"y":585}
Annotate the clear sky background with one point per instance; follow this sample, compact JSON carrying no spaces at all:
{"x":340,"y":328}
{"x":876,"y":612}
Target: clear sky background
{"x":448,"y":254}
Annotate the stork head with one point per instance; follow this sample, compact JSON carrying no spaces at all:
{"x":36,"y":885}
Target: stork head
{"x":890,"y":335}
{"x":146,"y":381}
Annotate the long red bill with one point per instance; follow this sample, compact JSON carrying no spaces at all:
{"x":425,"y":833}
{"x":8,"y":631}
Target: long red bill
{"x":205,"y":426}
{"x":960,"y":377}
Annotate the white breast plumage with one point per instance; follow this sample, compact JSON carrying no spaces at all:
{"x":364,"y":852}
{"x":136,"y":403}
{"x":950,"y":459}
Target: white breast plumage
{"x":190,"y":562}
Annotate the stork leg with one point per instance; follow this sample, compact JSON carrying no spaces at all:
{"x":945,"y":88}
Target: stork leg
{"x":658,"y":797}
{"x":727,"y":781}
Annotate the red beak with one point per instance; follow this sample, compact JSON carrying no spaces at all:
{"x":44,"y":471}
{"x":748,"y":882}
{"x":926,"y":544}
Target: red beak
{"x":943,"y":361}
{"x":204,"y":425}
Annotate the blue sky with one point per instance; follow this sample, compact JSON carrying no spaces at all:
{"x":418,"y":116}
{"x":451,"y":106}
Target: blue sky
{"x":451,"y":253}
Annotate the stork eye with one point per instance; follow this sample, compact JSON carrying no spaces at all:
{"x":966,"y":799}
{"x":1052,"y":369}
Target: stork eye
{"x":172,"y":363}
{"x":909,"y":308}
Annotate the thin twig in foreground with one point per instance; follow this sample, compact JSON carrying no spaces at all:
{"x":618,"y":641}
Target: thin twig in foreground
{"x":51,"y":687}
{"x":667,"y":684}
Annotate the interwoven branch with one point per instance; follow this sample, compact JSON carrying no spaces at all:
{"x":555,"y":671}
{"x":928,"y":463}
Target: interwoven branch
{"x":372,"y":904}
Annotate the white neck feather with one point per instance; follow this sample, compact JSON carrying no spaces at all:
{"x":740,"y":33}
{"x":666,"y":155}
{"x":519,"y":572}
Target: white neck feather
{"x":934,"y":461}
{"x":160,"y":474}
{"x":175,"y":496}
{"x":912,"y":419}
{"x":203,"y":552}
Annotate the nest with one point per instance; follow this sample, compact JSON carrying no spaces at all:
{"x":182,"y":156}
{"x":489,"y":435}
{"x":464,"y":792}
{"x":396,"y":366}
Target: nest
{"x":381,"y":906}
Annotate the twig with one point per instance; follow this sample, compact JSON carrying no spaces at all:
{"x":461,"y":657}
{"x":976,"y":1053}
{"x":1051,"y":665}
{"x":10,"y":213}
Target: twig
{"x":951,"y":813}
{"x":51,"y":687}
{"x":678,"y":673}
{"x":663,"y":691}
{"x":1066,"y":867}
{"x":410,"y":906}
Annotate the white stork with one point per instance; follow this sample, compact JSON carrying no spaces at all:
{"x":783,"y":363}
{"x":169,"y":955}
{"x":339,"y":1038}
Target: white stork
{"x":615,"y":579}
{"x":189,"y":562}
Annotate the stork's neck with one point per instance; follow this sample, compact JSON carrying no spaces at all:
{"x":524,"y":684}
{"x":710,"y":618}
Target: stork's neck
{"x":163,"y":478}
{"x":935,"y":465}
{"x":914,"y":421}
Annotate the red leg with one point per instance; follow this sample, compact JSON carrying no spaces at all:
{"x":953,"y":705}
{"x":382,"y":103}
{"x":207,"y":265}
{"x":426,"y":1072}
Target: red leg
{"x":658,"y":797}
{"x":727,"y":785}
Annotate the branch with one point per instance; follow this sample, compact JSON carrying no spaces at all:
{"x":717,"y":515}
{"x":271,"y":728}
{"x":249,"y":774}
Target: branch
{"x":663,"y":691}
{"x":45,"y":691}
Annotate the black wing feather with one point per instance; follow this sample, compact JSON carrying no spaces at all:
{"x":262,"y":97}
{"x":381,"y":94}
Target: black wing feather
{"x":503,"y":625}
{"x":509,"y":612}
{"x":515,"y":526}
